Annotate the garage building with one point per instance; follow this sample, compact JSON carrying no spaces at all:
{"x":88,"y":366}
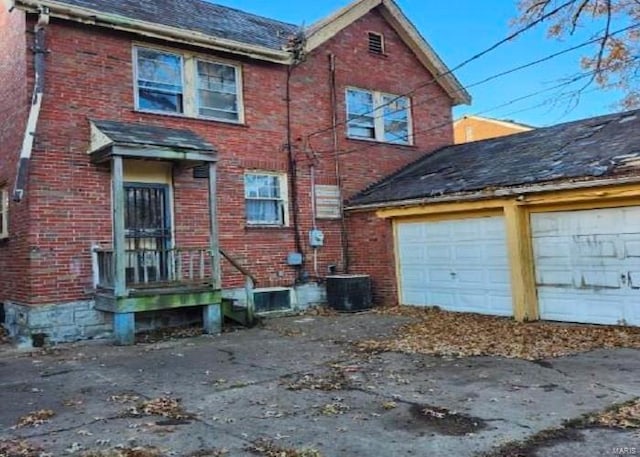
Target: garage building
{"x":539,"y":225}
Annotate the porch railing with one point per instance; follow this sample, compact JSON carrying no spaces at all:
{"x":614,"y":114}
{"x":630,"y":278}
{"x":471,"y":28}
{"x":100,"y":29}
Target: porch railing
{"x":155,"y":268}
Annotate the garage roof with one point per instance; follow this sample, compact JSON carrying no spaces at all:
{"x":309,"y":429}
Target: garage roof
{"x":590,"y":149}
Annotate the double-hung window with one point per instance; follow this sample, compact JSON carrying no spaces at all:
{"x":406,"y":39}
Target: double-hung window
{"x":183,"y":83}
{"x":377,"y":116}
{"x":159,"y":81}
{"x":265,"y":198}
{"x":4,"y":212}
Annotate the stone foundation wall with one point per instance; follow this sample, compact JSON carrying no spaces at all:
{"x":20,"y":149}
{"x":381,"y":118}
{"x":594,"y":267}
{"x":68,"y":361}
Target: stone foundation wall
{"x":75,"y":321}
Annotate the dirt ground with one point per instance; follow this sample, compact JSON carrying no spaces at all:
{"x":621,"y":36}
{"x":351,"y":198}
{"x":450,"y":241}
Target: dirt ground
{"x":313,"y":386}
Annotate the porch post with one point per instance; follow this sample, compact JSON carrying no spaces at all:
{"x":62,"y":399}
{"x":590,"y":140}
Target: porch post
{"x":119,"y":249}
{"x":214,"y":244}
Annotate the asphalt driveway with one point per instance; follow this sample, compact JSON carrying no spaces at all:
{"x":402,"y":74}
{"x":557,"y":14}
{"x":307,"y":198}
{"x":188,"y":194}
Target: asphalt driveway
{"x":298,"y":387}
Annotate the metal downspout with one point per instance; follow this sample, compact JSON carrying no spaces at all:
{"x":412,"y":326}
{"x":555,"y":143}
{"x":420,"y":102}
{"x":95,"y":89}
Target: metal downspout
{"x":39,"y":52}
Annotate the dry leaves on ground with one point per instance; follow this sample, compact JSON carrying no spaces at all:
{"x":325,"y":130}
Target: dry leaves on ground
{"x":4,"y":335}
{"x":162,"y":406}
{"x":443,"y":333}
{"x":169,"y":333}
{"x":125,"y":452}
{"x":35,"y":418}
{"x":625,"y":416}
{"x":18,"y":448}
{"x":334,"y":380}
{"x":268,"y":448}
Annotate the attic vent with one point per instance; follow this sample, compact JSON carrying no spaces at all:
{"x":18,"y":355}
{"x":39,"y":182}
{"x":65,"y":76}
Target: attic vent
{"x":376,"y":43}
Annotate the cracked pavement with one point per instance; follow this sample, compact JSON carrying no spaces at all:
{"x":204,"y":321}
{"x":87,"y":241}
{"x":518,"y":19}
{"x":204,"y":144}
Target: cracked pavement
{"x":238,"y":385}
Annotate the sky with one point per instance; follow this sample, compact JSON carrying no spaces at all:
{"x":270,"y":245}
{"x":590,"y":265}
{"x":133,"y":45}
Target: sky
{"x":460,"y":29}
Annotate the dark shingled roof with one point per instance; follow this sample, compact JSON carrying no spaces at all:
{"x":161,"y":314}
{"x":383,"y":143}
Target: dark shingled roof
{"x":599,"y":147}
{"x":150,"y":135}
{"x":200,"y":16}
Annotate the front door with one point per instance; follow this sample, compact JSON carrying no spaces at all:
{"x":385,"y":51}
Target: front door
{"x":148,"y":233}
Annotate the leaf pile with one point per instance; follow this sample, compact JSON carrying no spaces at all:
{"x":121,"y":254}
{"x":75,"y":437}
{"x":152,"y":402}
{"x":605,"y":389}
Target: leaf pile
{"x":268,"y":448}
{"x":443,"y":333}
{"x":625,"y":416}
{"x":18,"y":448}
{"x":162,"y":406}
{"x":169,"y":333}
{"x":35,"y":418}
{"x":4,"y":336}
{"x":336,"y":408}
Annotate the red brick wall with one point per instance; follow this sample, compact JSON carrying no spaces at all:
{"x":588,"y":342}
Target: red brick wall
{"x":13,"y":109}
{"x":90,"y":77}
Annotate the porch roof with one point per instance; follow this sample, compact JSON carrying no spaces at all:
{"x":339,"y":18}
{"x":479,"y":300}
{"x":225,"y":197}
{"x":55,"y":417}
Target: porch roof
{"x":110,"y":138}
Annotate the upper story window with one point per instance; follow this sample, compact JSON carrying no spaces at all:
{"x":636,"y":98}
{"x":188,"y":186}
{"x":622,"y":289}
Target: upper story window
{"x":376,"y":43}
{"x":159,"y":81}
{"x":4,"y":212}
{"x":265,"y":198}
{"x":377,"y":116}
{"x":183,"y":83}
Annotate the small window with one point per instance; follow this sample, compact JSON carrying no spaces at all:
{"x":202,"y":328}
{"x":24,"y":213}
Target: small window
{"x":272,"y":300}
{"x":377,"y":116}
{"x":376,"y":43}
{"x":4,"y":212}
{"x":265,"y":198}
{"x":159,"y":81}
{"x":218,"y":91}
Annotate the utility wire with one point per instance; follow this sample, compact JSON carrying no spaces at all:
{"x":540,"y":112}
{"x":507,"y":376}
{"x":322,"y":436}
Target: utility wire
{"x":457,"y":67}
{"x":513,"y":70}
{"x":566,"y":83}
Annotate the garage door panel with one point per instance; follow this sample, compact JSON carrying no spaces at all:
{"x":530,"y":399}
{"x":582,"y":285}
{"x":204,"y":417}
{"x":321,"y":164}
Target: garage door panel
{"x":465,"y":266}
{"x":588,"y":265}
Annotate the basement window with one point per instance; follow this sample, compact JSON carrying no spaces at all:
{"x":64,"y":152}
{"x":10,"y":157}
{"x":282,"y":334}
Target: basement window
{"x":4,"y":212}
{"x":269,"y":301}
{"x":376,"y":43}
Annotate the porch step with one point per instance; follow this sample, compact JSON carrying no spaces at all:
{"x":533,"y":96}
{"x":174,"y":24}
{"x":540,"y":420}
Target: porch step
{"x":237,"y":313}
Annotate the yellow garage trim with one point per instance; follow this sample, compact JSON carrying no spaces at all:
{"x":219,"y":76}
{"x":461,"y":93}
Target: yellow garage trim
{"x":594,"y":196}
{"x":440,"y":208}
{"x":521,"y":263}
{"x":453,"y":216}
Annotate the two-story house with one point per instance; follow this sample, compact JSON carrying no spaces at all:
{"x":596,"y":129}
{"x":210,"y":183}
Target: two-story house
{"x":139,"y":139}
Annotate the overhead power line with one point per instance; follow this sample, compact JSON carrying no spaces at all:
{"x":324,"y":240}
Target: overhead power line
{"x":457,"y":67}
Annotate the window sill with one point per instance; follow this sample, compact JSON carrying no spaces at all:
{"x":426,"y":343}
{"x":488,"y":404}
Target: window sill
{"x":378,"y":142}
{"x":193,"y":118}
{"x":266,"y":227}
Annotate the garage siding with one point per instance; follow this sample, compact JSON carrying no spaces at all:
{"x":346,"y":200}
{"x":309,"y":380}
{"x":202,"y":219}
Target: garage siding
{"x":459,"y":265}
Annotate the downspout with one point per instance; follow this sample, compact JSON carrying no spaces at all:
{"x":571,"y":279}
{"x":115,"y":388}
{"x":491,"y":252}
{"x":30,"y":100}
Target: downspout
{"x":39,"y":52}
{"x":334,"y":121}
{"x":293,"y":173}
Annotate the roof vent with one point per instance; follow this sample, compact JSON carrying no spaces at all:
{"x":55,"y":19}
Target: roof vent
{"x":376,"y":43}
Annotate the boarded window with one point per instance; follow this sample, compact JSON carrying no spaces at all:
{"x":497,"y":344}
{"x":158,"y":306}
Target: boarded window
{"x":327,"y":202}
{"x":376,"y":43}
{"x":272,"y":300}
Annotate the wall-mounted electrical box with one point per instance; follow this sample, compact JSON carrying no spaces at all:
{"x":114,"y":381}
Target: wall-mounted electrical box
{"x":294,"y":259}
{"x":316,"y":238}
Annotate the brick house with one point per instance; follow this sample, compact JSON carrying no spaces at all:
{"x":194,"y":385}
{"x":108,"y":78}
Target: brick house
{"x":138,"y":138}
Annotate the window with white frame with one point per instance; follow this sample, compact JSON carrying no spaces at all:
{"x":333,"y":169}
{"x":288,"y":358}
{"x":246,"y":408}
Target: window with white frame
{"x":377,"y":116}
{"x":4,"y":212}
{"x":183,"y":83}
{"x":265,"y":198}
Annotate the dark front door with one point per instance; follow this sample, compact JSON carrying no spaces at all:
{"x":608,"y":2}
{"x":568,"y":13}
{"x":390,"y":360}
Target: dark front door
{"x":147,"y":232}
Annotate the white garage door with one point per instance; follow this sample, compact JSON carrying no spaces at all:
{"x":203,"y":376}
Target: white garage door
{"x":458,"y":265}
{"x":588,"y":265}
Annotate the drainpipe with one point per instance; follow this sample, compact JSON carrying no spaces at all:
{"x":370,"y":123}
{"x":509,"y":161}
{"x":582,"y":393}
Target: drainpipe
{"x":39,"y":52}
{"x":336,"y":149}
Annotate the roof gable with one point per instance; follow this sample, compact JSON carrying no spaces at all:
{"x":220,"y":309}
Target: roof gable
{"x":594,"y":150}
{"x":322,"y":31}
